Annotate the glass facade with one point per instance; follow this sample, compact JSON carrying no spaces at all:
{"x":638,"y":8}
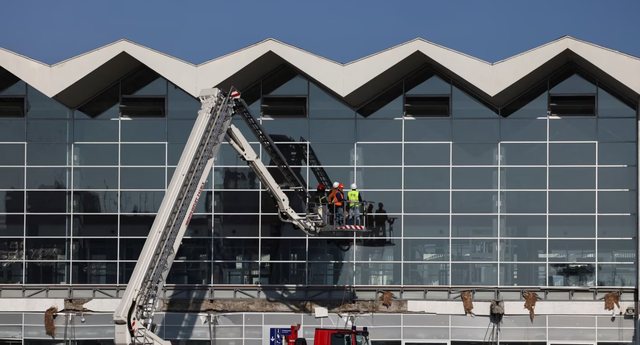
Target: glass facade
{"x":543,"y":196}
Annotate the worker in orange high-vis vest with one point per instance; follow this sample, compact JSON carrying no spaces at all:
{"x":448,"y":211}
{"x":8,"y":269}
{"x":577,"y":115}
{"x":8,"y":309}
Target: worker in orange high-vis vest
{"x":336,"y":203}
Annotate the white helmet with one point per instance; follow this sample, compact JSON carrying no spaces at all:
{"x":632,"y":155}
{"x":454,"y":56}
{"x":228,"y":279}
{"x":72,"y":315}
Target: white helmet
{"x":354,"y":186}
{"x":336,"y":184}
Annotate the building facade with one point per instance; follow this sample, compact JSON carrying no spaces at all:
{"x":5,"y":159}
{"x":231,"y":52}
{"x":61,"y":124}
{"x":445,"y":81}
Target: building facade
{"x":493,"y":178}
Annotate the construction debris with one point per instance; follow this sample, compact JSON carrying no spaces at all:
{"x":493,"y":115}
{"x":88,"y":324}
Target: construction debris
{"x":467,"y":302}
{"x":530,"y":299}
{"x":386,"y":298}
{"x":612,"y":299}
{"x":496,"y":311}
{"x":49,"y":321}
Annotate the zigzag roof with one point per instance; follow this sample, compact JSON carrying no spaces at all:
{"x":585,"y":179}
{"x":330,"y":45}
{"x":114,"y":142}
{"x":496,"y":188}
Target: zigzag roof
{"x":354,"y":81}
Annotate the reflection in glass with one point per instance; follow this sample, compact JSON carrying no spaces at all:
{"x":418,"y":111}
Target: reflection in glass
{"x":47,"y":272}
{"x":93,"y":273}
{"x":571,"y":275}
{"x":95,"y":202}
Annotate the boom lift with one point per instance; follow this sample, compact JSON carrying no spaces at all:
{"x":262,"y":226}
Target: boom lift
{"x":134,"y":315}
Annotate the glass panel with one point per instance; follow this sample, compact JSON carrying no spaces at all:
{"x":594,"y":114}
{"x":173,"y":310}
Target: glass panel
{"x":572,"y":250}
{"x":474,"y":226}
{"x":103,"y":106}
{"x":95,"y":178}
{"x":523,"y":178}
{"x":38,"y":248}
{"x":572,"y":226}
{"x":194,"y":249}
{"x":321,"y":104}
{"x":289,"y":129}
{"x":297,"y":85}
{"x":46,"y":154}
{"x":616,"y":251}
{"x":474,"y":202}
{"x":11,"y":274}
{"x":617,"y":226}
{"x":474,"y":178}
{"x":235,"y":249}
{"x":426,"y":154}
{"x":571,"y":275}
{"x":142,"y":154}
{"x":574,"y":84}
{"x":617,"y":202}
{"x":474,"y":274}
{"x":572,"y":178}
{"x":572,"y":154}
{"x":95,"y":154}
{"x":48,"y":225}
{"x":616,"y":275}
{"x":180,"y":104}
{"x":378,"y":130}
{"x":283,"y":250}
{"x":11,"y":201}
{"x":617,"y":153}
{"x":130,"y":248}
{"x":474,"y":250}
{"x":236,"y":201}
{"x":189,"y":273}
{"x":94,"y":249}
{"x":572,"y":202}
{"x":12,"y":130}
{"x":467,"y":106}
{"x":47,"y":202}
{"x":95,"y":225}
{"x":617,"y":178}
{"x":232,"y":226}
{"x":47,"y":178}
{"x":426,"y":250}
{"x":379,"y":154}
{"x":93,"y":273}
{"x":609,"y":106}
{"x":200,"y":226}
{"x":517,"y":274}
{"x":11,"y":249}
{"x":143,"y":130}
{"x":11,"y":225}
{"x":379,"y":178}
{"x":235,"y":178}
{"x":476,"y":131}
{"x":95,"y":202}
{"x":47,"y":272}
{"x":336,"y":273}
{"x":572,"y":129}
{"x":523,"y":250}
{"x":523,"y":226}
{"x":140,"y":202}
{"x":421,"y":129}
{"x":377,"y":274}
{"x":12,"y":178}
{"x":332,"y":131}
{"x":535,"y":108}
{"x":41,"y":106}
{"x":179,"y":130}
{"x":142,"y":178}
{"x":11,"y":154}
{"x":426,"y":274}
{"x":523,"y":154}
{"x":95,"y":130}
{"x":138,"y":225}
{"x":523,"y":202}
{"x":47,"y":131}
{"x":427,"y":226}
{"x":144,"y":82}
{"x":426,"y":202}
{"x":617,"y":130}
{"x":391,"y":107}
{"x":475,"y":154}
{"x":432,"y":86}
{"x":523,"y":129}
{"x":426,"y":178}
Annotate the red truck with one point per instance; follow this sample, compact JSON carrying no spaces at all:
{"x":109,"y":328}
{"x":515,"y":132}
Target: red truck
{"x":331,"y":336}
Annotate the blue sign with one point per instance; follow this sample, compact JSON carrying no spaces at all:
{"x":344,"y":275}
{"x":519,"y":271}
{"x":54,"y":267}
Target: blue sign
{"x":276,"y":335}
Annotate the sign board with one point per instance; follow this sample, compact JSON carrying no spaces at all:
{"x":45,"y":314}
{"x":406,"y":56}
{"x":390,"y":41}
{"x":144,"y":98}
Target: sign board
{"x":276,"y":335}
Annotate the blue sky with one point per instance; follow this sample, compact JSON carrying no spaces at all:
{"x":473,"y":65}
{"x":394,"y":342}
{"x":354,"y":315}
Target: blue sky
{"x":196,"y":31}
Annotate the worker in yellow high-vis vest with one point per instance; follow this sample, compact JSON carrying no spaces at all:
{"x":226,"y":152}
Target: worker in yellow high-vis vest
{"x":354,"y":202}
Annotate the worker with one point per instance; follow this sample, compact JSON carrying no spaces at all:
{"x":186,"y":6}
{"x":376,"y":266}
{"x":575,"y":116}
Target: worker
{"x":354,"y":199}
{"x":336,"y":203}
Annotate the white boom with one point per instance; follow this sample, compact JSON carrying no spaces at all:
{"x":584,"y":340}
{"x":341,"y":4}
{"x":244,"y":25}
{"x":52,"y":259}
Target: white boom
{"x":134,"y":315}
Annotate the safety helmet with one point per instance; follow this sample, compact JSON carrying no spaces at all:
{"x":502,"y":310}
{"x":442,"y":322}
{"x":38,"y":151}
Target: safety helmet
{"x":320,"y":186}
{"x":336,"y":184}
{"x":340,"y":186}
{"x":354,"y":186}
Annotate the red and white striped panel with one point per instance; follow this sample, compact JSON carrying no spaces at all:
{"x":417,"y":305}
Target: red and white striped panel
{"x":350,"y":227}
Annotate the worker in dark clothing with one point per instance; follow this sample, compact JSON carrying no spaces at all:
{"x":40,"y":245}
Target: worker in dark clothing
{"x":321,"y":202}
{"x":380,"y":219}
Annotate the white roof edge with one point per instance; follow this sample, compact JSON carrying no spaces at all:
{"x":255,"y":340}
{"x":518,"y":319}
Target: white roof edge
{"x":342,"y":79}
